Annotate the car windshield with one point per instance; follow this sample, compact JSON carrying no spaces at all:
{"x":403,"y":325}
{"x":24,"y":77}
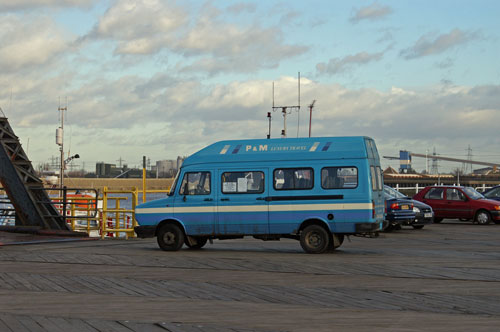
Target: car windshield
{"x":393,"y":193}
{"x":472,"y":193}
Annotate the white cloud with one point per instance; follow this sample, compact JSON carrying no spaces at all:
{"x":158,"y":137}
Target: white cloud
{"x":29,"y":41}
{"x":225,"y":47}
{"x":340,"y":65}
{"x":431,"y":44}
{"x":33,"y":4}
{"x":373,"y":12}
{"x":241,"y":7}
{"x":207,"y":43}
{"x":140,"y":27}
{"x":165,"y":117}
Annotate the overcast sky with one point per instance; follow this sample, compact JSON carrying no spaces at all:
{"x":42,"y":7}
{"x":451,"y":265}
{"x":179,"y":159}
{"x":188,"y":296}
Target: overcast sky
{"x":166,"y":78}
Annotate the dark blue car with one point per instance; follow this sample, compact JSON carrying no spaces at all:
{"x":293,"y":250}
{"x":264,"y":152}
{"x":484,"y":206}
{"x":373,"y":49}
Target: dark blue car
{"x":493,"y":193}
{"x":398,"y":209}
{"x":424,"y":214}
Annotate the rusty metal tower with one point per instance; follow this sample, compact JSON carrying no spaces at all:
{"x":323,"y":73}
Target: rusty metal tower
{"x":32,"y":204}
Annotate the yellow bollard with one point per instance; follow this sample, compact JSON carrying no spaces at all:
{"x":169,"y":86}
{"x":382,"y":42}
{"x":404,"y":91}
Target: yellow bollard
{"x":104,"y":211}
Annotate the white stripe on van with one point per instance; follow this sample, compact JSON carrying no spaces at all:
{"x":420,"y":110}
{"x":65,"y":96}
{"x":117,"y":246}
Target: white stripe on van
{"x":224,"y":149}
{"x":314,"y":147}
{"x":259,"y":208}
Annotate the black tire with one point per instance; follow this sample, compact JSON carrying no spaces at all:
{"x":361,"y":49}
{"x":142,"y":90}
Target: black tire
{"x":437,"y":220}
{"x":418,"y":226}
{"x":170,"y":237}
{"x":482,"y":217}
{"x":200,"y":242}
{"x":315,"y":239}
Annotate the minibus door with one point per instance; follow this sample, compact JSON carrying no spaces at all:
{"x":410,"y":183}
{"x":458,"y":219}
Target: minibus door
{"x":242,"y":207}
{"x":194,"y":204}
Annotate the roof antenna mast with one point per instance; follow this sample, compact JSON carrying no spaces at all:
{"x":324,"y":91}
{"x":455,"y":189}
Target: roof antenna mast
{"x":285,"y":110}
{"x":298,"y":109}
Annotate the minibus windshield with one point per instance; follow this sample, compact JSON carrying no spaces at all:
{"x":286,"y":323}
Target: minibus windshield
{"x":174,"y":184}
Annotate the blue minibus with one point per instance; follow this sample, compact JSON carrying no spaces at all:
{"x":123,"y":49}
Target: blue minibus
{"x":315,"y":190}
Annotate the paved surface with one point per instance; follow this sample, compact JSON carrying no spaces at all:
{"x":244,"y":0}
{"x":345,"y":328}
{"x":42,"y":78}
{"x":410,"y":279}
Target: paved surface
{"x":445,"y":277}
{"x":8,"y":238}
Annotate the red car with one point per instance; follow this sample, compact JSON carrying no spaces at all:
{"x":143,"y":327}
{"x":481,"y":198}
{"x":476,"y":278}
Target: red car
{"x":464,"y":203}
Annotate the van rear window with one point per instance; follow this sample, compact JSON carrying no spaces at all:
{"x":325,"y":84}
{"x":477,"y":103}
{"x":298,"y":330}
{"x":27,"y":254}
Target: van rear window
{"x":339,"y":177}
{"x":293,"y":178}
{"x":242,"y":182}
{"x":376,"y":177}
{"x":380,"y":179}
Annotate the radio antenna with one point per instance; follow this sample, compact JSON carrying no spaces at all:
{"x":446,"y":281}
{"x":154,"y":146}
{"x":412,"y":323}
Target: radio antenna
{"x":298,"y":109}
{"x":285,"y":110}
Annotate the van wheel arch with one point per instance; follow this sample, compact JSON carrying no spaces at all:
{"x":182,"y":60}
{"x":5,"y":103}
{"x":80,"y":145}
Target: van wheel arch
{"x":310,"y":222}
{"x":169,"y":221}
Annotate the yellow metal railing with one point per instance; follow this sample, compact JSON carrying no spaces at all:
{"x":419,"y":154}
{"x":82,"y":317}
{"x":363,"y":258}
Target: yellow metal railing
{"x":117,"y":214}
{"x":80,"y":212}
{"x":111,"y":219}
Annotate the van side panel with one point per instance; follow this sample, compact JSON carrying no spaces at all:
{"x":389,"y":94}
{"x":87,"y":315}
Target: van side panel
{"x":340,"y":209}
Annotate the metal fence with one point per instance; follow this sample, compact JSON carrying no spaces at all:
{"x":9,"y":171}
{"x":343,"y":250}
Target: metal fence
{"x":415,"y":189}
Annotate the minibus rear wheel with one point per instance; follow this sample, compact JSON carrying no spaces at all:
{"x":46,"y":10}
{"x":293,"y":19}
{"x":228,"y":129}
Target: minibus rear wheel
{"x":170,"y":237}
{"x":315,"y":239}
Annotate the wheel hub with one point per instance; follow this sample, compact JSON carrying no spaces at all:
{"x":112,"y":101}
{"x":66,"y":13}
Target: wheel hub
{"x":169,"y":238}
{"x":314,"y":240}
{"x":482,"y":218}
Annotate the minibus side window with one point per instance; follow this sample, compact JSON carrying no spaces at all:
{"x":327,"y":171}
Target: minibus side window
{"x":373,"y":178}
{"x":339,"y":177}
{"x":195,"y":183}
{"x":293,"y":178}
{"x":242,"y":182}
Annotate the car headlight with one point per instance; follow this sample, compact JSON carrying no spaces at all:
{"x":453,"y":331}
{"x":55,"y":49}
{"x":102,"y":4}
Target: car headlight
{"x":416,"y":209}
{"x":497,"y":207}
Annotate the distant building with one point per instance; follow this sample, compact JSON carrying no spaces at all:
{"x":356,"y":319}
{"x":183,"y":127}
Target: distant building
{"x":103,"y":170}
{"x":485,"y":171}
{"x":165,"y":168}
{"x":180,"y":160}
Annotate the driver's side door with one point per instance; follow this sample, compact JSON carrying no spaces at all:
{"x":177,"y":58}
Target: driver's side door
{"x":194,"y":203}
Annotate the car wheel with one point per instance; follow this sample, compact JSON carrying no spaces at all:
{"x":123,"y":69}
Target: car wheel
{"x":197,"y":242}
{"x":482,"y":217}
{"x":437,"y":220}
{"x":418,"y":226}
{"x":315,"y":239}
{"x":170,"y":237}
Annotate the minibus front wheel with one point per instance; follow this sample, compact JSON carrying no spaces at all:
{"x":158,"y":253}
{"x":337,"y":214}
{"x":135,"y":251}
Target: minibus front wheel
{"x":315,"y":239}
{"x":170,"y":237}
